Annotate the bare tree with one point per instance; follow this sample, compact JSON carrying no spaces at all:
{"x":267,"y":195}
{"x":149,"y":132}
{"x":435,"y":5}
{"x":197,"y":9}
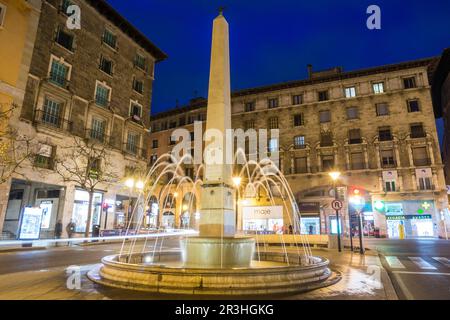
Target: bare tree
{"x":88,"y":165}
{"x":15,"y":148}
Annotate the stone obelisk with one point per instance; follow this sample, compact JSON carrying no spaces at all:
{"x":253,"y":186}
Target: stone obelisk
{"x":217,"y":218}
{"x":217,"y":246}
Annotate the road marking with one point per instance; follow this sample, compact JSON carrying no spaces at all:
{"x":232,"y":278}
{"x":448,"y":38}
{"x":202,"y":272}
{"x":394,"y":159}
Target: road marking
{"x":421,"y":263}
{"x":443,"y":260}
{"x":394,"y":262}
{"x":424,"y":273}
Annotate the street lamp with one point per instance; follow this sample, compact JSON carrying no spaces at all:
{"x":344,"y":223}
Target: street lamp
{"x":140,"y":185}
{"x":334,"y":176}
{"x":237,"y":181}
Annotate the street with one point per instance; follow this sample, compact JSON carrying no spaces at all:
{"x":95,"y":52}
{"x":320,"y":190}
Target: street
{"x":418,"y":268}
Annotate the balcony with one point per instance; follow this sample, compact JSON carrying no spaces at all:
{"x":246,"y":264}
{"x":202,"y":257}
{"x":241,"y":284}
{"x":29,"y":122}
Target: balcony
{"x":422,"y":162}
{"x":52,"y":120}
{"x":388,"y":163}
{"x":97,"y":135}
{"x":133,"y":150}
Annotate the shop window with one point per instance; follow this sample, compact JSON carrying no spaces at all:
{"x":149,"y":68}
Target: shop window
{"x":80,"y":210}
{"x":325,"y":116}
{"x":382,"y":109}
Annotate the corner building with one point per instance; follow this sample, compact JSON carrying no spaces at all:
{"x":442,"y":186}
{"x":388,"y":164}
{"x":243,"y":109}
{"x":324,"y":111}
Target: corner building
{"x":94,"y":83}
{"x":376,"y":126}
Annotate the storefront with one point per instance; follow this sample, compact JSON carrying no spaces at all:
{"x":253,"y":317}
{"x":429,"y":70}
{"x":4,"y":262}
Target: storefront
{"x":48,"y":198}
{"x":263,"y":219}
{"x":168,"y":219}
{"x":80,"y":210}
{"x":409,"y":219}
{"x":310,"y":217}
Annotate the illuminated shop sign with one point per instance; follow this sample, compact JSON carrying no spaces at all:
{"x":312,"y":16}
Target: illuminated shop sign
{"x":410,"y":217}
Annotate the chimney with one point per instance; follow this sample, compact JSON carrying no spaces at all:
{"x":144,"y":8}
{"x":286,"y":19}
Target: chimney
{"x":310,"y":70}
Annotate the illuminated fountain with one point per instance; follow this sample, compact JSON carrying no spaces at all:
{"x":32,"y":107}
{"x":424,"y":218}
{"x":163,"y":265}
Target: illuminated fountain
{"x":218,"y":261}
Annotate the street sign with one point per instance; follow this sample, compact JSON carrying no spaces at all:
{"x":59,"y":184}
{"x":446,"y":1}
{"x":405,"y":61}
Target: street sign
{"x":336,"y":205}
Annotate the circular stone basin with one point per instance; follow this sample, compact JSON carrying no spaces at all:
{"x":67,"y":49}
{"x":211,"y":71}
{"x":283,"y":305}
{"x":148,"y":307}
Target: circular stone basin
{"x":163,"y":272}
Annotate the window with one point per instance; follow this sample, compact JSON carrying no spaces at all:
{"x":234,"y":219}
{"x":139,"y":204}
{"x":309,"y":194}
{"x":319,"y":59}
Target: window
{"x":273,"y":145}
{"x":357,"y":161}
{"x":106,"y":65}
{"x":273,"y":123}
{"x":420,"y":156}
{"x":350,"y":92}
{"x":64,"y":39}
{"x":378,"y":87}
{"x":2,"y":14}
{"x":110,"y":39}
{"x":382,"y":109}
{"x":409,"y":82}
{"x":384,"y":134}
{"x":164,"y":125}
{"x":298,"y":120}
{"x":327,"y":163}
{"x":273,"y":102}
{"x":172,"y":124}
{"x":52,"y":112}
{"x":102,"y":95}
{"x":387,"y":158}
{"x":249,"y":106}
{"x":299,"y":142}
{"x":325,"y":116}
{"x":44,"y":157}
{"x":413,"y":105}
{"x":297,"y":99}
{"x":301,"y":165}
{"x":94,"y":167}
{"x":354,"y":136}
{"x":323,"y":95}
{"x":140,"y":62}
{"x":249,"y":124}
{"x":326,"y":139}
{"x":132,"y":142}
{"x":138,"y":86}
{"x":352,"y":113}
{"x":155,"y":144}
{"x":190,"y":119}
{"x":135,"y":111}
{"x":65,"y":4}
{"x":181,"y":121}
{"x":417,"y":130}
{"x":425,"y":183}
{"x":98,"y":129}
{"x":389,"y":186}
{"x":59,"y":72}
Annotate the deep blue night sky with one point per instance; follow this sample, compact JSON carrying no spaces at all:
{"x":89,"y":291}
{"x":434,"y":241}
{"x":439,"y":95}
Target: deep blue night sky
{"x":273,"y":40}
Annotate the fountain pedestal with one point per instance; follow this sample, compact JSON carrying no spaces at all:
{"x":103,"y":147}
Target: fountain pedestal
{"x":213,"y":252}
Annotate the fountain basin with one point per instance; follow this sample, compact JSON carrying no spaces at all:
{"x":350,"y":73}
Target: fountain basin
{"x":212,"y":252}
{"x":270,"y":274}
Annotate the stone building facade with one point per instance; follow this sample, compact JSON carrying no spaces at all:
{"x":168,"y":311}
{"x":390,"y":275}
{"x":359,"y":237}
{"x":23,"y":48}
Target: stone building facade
{"x":376,"y":126}
{"x":95,"y":83}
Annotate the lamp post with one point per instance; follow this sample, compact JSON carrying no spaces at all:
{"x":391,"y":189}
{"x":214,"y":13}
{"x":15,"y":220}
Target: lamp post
{"x":334,"y":176}
{"x":237,"y":182}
